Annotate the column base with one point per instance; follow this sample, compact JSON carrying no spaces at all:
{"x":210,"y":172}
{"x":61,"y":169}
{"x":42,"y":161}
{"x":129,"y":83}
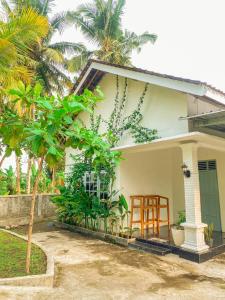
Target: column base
{"x":194,"y":237}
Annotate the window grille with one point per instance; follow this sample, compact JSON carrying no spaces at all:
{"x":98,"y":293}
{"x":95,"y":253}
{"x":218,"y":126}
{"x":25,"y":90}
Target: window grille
{"x":96,"y":185}
{"x":206,"y":165}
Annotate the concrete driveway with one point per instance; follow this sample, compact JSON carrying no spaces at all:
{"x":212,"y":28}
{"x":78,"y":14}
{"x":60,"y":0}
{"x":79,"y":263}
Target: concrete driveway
{"x":92,"y":269}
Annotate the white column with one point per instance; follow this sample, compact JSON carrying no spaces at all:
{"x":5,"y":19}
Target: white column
{"x":193,"y":227}
{"x":117,"y":183}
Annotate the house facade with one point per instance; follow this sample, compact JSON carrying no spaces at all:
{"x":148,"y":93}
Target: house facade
{"x":189,"y":118}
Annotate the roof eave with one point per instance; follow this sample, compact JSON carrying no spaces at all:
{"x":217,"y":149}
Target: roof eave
{"x":192,"y":87}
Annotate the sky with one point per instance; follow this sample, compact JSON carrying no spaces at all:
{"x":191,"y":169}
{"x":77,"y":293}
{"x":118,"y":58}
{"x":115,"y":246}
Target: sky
{"x":191,"y":36}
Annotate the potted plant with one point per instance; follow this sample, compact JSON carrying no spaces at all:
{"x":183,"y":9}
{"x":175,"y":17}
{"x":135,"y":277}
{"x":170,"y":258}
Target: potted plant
{"x":178,"y":230}
{"x":208,"y":233}
{"x":129,"y":232}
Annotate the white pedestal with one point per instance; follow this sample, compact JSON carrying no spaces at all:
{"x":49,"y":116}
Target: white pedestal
{"x":194,"y":237}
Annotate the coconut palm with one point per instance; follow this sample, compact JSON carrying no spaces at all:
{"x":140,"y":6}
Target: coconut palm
{"x":49,"y":57}
{"x":100,"y":22}
{"x":17,"y":34}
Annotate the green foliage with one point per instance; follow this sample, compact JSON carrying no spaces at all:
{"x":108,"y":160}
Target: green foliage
{"x":18,"y":33}
{"x":46,"y":58}
{"x":76,"y":206}
{"x":181,"y":218}
{"x":7,"y":182}
{"x":208,"y":232}
{"x":101,"y":23}
{"x":44,"y":185}
{"x":118,"y":125}
{"x":53,"y":127}
{"x":142,"y":134}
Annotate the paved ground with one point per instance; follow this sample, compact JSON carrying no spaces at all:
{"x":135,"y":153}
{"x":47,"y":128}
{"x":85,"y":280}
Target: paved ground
{"x":92,"y":269}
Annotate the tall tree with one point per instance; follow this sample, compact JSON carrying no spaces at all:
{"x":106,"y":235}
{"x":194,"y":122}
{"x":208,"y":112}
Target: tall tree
{"x":101,"y":23}
{"x":18,"y":33}
{"x":18,"y":174}
{"x":49,"y":57}
{"x":53,"y":130}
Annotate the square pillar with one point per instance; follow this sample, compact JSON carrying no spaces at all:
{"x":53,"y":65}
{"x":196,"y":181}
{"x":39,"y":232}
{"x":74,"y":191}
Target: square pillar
{"x":193,"y":227}
{"x":117,"y":184}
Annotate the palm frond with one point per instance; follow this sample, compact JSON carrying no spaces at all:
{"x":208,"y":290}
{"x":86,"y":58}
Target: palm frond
{"x":76,"y":63}
{"x":17,"y":34}
{"x":101,"y":22}
{"x":69,"y":47}
{"x":80,"y":22}
{"x":132,"y":41}
{"x":8,"y":53}
{"x":25,"y":29}
{"x":6,"y":7}
{"x":52,"y":78}
{"x":59,"y":21}
{"x":53,"y":55}
{"x":45,"y":7}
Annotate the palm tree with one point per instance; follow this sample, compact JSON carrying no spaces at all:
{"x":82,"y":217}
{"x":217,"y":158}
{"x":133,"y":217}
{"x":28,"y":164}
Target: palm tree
{"x":49,"y":57}
{"x":100,"y":22}
{"x":17,"y":34}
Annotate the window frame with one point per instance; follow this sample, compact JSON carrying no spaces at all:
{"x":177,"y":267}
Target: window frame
{"x":94,"y":184}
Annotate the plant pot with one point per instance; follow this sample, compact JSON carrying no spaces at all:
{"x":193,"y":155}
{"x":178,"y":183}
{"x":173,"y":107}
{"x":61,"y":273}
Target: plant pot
{"x":178,"y":236}
{"x":210,"y":243}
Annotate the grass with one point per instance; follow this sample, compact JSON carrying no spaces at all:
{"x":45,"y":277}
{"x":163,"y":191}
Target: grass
{"x":13,"y":257}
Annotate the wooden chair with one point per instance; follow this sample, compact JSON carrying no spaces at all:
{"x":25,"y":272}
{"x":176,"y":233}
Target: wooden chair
{"x":139,"y":206}
{"x":147,"y":206}
{"x":162,"y":203}
{"x":150,"y":210}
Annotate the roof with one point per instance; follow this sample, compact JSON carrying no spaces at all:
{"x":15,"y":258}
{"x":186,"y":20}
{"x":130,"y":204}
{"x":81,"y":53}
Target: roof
{"x":95,"y":70}
{"x":203,"y":139}
{"x":213,"y":120}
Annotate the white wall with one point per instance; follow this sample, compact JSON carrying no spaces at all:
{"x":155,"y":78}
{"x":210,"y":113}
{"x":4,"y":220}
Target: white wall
{"x":154,"y":172}
{"x":162,"y":107}
{"x":159,"y":172}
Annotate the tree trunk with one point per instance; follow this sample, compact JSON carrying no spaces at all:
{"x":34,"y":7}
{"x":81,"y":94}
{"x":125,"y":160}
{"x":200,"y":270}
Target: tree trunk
{"x":53,"y":179}
{"x":30,"y":162}
{"x":2,"y":160}
{"x":31,"y":221}
{"x":17,"y":174}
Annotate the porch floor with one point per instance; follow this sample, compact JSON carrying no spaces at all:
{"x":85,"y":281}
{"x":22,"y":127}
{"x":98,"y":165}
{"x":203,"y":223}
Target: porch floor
{"x":165,"y":239}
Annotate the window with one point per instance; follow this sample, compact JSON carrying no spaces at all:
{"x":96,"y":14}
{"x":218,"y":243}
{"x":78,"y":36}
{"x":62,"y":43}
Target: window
{"x":96,"y":185}
{"x":206,"y":165}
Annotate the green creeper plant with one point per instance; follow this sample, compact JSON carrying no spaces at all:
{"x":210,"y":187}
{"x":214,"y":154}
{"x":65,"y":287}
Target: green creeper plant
{"x":118,"y":125}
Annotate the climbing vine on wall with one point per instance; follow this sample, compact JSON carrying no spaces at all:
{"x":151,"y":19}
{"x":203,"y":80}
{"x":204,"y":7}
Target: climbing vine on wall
{"x":118,"y":124}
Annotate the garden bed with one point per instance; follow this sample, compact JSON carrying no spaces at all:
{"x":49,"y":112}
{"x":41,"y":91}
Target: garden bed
{"x":13,"y":257}
{"x":96,"y":234}
{"x":13,"y":260}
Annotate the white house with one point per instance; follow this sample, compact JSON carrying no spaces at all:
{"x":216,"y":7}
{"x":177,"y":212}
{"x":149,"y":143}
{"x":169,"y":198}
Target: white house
{"x":190,"y":118}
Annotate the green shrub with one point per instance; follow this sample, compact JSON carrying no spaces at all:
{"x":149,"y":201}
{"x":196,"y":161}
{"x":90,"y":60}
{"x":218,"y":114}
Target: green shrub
{"x":76,"y":206}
